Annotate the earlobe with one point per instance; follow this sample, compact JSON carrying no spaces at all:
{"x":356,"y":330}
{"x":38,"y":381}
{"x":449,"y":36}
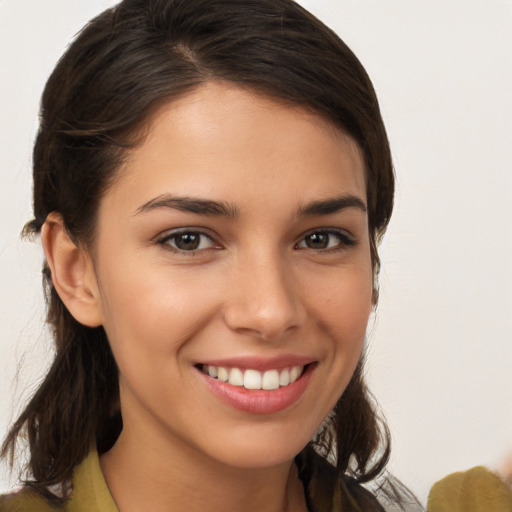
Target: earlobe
{"x":72,"y":272}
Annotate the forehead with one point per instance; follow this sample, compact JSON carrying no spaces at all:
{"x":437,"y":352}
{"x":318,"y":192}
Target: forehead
{"x":223,"y":140}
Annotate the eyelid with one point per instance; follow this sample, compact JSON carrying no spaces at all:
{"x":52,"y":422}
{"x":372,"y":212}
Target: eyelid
{"x":164,"y":237}
{"x":346,"y":239}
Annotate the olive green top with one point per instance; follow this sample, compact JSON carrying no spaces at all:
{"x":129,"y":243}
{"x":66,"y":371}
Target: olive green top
{"x":90,"y":493}
{"x":476,"y":490}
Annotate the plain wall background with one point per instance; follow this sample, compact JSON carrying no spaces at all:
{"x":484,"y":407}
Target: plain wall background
{"x":440,"y":355}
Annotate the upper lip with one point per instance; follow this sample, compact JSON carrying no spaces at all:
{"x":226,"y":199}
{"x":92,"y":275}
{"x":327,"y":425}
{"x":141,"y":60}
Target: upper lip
{"x":261,"y":363}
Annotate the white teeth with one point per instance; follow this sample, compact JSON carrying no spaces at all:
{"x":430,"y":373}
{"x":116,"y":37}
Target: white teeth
{"x":222,"y":374}
{"x":284,"y":377}
{"x":294,"y":373}
{"x":236,"y":377}
{"x":270,"y":380}
{"x":254,"y":379}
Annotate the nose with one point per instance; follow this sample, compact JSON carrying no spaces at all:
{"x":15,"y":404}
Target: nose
{"x":264,"y":301}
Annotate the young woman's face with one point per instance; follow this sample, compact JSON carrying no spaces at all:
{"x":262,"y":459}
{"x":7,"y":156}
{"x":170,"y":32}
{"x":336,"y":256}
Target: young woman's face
{"x":235,"y":244}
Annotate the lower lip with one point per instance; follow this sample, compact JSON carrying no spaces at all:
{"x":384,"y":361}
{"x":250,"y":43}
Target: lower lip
{"x":259,"y":401}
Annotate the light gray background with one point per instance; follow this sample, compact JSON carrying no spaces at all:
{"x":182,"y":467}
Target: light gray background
{"x":441,"y":349}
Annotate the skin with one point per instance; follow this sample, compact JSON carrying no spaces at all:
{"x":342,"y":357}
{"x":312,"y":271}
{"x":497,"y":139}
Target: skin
{"x":254,"y":288}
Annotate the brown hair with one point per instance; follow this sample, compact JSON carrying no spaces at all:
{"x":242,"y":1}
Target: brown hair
{"x":124,"y":64}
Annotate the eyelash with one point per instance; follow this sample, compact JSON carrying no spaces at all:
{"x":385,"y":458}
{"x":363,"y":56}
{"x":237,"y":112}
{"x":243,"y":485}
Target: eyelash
{"x":165,"y":241}
{"x":344,"y":240}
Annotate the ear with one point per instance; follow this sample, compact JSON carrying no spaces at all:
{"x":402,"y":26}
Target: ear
{"x":72,"y":272}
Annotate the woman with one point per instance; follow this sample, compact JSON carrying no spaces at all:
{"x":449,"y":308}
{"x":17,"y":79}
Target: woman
{"x":211,"y":181}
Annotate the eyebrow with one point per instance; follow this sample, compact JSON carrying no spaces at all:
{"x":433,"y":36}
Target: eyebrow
{"x":223,"y":209}
{"x":190,"y":205}
{"x":330,"y":206}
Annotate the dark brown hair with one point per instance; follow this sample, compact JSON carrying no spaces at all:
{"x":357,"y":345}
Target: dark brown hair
{"x":124,"y":64}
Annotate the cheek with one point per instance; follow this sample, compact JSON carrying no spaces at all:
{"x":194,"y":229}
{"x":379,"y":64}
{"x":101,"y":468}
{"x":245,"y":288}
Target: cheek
{"x":344,"y":301}
{"x":149,"y":315}
{"x":342,"y":309}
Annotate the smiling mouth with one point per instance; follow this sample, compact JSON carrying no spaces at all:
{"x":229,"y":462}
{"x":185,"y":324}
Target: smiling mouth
{"x":253,"y":379}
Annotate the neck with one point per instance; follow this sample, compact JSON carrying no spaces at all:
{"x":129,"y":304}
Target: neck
{"x":145,"y":474}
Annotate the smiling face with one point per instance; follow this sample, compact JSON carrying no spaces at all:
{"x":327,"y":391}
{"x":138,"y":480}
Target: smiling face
{"x":234,"y":245}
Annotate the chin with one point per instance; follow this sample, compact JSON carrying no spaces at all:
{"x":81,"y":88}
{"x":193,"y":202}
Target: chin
{"x":261,"y":448}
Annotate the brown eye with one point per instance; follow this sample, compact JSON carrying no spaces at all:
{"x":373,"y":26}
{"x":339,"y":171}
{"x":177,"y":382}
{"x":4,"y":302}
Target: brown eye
{"x":326,"y":240}
{"x":188,"y":241}
{"x":319,"y":240}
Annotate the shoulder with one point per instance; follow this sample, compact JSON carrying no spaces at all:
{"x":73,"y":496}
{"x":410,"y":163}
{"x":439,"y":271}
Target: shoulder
{"x":25,"y":500}
{"x":475,"y":489}
{"x":325,"y":491}
{"x":89,"y":493}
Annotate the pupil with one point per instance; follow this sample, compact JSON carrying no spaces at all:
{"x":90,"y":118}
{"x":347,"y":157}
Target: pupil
{"x":188,"y":241}
{"x":317,"y":241}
